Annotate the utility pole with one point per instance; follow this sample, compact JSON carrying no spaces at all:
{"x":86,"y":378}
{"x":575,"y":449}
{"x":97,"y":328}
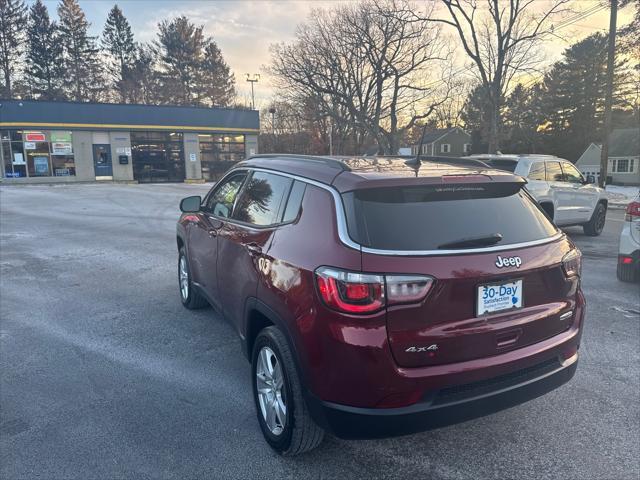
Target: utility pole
{"x":272,"y":111}
{"x":604,"y":155}
{"x":330,"y":137}
{"x":252,"y":80}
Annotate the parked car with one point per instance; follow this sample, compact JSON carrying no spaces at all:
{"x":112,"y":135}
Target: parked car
{"x":374,"y":297}
{"x":559,"y":187}
{"x":629,"y":250}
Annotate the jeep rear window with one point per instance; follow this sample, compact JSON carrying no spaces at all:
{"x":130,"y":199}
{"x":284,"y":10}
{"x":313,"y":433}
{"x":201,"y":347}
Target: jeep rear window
{"x":426,"y":217}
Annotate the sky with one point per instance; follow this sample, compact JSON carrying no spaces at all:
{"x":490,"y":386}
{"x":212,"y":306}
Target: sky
{"x":244,"y":30}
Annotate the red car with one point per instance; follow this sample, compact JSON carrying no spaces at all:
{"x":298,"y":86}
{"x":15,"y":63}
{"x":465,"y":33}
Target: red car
{"x":378,"y":296}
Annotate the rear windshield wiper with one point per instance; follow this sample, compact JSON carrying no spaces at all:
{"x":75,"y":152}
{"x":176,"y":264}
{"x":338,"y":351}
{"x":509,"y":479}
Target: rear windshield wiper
{"x":484,"y":241}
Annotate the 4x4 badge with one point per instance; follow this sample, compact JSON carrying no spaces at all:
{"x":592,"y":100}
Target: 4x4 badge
{"x":508,"y":262}
{"x":430,"y":348}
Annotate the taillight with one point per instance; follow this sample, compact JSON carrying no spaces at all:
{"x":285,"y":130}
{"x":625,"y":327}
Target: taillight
{"x":407,"y":288}
{"x":360,"y":293}
{"x":572,"y":263}
{"x":633,"y":210}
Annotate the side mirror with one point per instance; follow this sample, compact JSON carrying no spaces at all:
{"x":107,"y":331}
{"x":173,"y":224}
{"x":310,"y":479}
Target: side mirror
{"x":190,"y":204}
{"x":591,"y":179}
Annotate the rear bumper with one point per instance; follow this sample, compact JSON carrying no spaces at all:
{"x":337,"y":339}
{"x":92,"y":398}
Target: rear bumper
{"x":447,"y":406}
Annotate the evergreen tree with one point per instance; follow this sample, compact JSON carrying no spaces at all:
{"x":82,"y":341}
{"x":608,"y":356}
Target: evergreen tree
{"x":180,"y":46}
{"x":44,"y":71}
{"x":521,"y":120}
{"x":192,"y":69}
{"x":117,"y":41}
{"x":217,"y":80}
{"x":142,"y":84}
{"x":475,"y":115}
{"x":572,"y":97}
{"x":82,"y":67}
{"x":13,"y":16}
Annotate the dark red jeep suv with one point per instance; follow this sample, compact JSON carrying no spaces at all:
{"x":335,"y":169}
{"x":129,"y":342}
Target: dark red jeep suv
{"x":379,"y":296}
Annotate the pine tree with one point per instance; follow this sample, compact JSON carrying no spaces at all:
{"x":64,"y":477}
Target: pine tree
{"x":44,"y":71}
{"x":117,"y":41}
{"x":82,"y":67}
{"x":180,"y":46}
{"x":13,"y":16}
{"x":217,"y":81}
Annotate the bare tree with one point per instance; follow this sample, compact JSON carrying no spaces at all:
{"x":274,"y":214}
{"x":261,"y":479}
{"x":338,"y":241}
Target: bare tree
{"x":368,"y":64}
{"x":501,"y":37}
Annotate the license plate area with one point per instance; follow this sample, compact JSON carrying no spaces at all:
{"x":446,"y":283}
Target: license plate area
{"x":499,"y":297}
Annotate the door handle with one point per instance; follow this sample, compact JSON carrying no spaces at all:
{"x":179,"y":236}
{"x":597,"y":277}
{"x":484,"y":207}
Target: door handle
{"x":213,"y":233}
{"x":254,"y":249}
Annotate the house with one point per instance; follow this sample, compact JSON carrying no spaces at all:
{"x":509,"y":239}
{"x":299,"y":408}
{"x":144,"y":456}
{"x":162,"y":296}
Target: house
{"x":624,"y":158}
{"x":444,"y":142}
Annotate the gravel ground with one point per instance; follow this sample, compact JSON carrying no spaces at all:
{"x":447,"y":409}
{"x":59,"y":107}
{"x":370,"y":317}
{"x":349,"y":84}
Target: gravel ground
{"x":103,"y":374}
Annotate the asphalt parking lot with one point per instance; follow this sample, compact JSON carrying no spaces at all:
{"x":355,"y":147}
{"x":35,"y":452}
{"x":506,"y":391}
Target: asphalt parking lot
{"x":103,"y":373}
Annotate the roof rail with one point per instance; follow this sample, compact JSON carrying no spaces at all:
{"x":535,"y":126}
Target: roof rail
{"x":329,"y":161}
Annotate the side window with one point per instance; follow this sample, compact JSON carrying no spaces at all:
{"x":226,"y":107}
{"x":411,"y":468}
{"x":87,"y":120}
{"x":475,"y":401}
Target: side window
{"x":295,"y":201}
{"x":571,"y":173}
{"x":262,"y":199}
{"x":445,"y":148}
{"x":220,"y":202}
{"x":536,"y":172}
{"x":554,"y":172}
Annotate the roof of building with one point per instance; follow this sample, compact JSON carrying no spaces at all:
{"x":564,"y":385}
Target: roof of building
{"x":110,"y":116}
{"x":624,"y":142}
{"x":434,"y":135}
{"x":349,"y":173}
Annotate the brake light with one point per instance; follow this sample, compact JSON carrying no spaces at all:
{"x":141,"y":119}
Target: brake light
{"x":633,"y":210}
{"x":572,"y":263}
{"x":362,"y":293}
{"x":626,"y":260}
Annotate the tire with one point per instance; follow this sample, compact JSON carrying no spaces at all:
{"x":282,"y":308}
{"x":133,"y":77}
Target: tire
{"x":626,"y":273}
{"x":595,"y":226}
{"x":189,"y":295}
{"x":293,"y":431}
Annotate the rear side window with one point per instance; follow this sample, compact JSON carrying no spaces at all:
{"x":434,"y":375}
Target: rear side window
{"x":262,"y":198}
{"x":554,"y":172}
{"x":431,"y":217}
{"x":536,"y":172}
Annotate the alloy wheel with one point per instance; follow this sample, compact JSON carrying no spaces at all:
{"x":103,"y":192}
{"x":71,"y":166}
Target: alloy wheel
{"x":271,"y":392}
{"x":183,"y":274}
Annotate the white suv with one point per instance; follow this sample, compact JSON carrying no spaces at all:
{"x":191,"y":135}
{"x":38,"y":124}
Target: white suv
{"x":558,"y":186}
{"x":629,"y":250}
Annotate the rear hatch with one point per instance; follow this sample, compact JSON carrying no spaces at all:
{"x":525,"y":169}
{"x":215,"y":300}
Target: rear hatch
{"x":495,"y":259}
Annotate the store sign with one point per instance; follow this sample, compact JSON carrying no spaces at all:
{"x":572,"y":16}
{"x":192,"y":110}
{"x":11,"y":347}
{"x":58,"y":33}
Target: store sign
{"x":60,"y":137}
{"x":29,"y":145}
{"x":62,"y":148}
{"x":34,"y":137}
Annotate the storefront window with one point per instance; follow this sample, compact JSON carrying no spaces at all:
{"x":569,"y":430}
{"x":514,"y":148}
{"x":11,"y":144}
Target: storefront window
{"x":218,"y":153}
{"x":37,"y":153}
{"x":37,"y":159}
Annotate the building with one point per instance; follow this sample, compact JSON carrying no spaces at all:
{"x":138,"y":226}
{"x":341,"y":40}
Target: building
{"x":444,"y":142}
{"x":78,"y":142}
{"x":624,"y":158}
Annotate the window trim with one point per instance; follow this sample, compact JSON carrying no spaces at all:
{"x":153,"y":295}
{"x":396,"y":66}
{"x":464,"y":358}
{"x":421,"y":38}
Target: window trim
{"x":442,"y":145}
